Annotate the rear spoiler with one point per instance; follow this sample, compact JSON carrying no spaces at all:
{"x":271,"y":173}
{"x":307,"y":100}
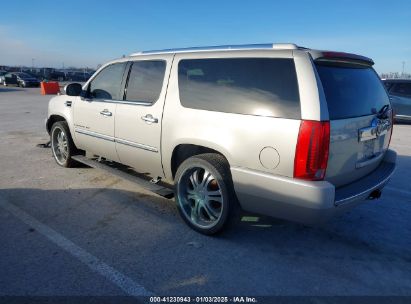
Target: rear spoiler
{"x":343,"y":57}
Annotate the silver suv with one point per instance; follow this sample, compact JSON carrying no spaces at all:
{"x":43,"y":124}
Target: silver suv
{"x":275,"y":129}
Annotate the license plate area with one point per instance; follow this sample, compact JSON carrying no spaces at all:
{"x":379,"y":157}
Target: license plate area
{"x":370,"y":151}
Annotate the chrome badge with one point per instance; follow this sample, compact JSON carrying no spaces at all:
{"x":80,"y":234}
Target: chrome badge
{"x":378,"y":127}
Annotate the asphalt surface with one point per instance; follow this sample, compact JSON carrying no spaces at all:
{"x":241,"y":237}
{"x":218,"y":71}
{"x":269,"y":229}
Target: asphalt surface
{"x":81,"y":232}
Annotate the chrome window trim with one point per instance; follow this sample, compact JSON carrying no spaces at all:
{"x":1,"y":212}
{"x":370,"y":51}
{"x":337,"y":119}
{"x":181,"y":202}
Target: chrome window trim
{"x":116,"y":101}
{"x":117,"y":140}
{"x":137,"y":103}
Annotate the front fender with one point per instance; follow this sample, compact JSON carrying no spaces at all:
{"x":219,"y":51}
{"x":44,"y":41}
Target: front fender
{"x":58,"y":108}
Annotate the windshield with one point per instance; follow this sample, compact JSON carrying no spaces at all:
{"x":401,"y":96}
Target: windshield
{"x":351,"y":90}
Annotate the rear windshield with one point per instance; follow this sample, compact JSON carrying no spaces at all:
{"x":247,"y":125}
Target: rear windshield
{"x":351,"y":91}
{"x":254,"y":86}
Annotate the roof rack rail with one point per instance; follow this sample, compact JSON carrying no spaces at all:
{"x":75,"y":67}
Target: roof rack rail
{"x":275,"y":46}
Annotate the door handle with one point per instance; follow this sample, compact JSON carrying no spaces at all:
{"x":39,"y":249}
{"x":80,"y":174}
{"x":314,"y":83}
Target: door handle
{"x":106,"y":112}
{"x":149,"y":118}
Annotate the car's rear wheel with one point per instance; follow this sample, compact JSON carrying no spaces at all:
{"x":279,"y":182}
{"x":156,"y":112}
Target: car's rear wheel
{"x":62,"y":144}
{"x":205,"y":194}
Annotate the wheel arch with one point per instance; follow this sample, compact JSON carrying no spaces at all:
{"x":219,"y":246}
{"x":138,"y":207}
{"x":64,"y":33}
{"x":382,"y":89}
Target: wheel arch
{"x":181,"y":152}
{"x":52,"y":119}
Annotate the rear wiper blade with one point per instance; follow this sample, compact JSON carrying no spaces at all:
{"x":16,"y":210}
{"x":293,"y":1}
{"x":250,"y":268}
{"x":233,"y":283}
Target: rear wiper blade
{"x":383,"y":112}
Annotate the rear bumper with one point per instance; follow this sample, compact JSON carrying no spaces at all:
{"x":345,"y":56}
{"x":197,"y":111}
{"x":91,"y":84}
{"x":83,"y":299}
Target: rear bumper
{"x":306,"y":201}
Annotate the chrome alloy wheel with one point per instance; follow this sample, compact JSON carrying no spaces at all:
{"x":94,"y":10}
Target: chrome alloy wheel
{"x":59,"y":145}
{"x":200,"y":197}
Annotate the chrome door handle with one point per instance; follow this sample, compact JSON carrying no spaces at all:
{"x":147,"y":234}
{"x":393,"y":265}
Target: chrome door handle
{"x":106,"y":112}
{"x":149,"y":118}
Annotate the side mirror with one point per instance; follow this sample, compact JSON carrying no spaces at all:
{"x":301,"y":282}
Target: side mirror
{"x":73,"y":89}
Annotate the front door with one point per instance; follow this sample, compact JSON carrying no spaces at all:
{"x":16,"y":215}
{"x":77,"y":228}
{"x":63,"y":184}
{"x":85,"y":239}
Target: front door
{"x":94,"y":114}
{"x":138,"y":118}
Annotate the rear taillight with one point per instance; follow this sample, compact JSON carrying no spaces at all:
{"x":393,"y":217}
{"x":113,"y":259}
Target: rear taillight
{"x":311,"y":154}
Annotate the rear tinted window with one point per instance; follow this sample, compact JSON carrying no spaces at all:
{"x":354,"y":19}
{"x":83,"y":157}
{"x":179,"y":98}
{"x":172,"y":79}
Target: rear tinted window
{"x":145,"y":81}
{"x":255,"y":86}
{"x":352,"y":91}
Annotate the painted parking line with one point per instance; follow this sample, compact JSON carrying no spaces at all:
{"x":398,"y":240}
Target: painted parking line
{"x":398,"y":190}
{"x":129,"y":286}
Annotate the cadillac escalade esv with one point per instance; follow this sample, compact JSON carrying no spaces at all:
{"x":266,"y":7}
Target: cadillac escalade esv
{"x":275,"y":129}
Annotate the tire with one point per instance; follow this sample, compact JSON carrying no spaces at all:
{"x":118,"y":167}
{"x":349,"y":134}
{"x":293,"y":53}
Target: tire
{"x":62,"y":145}
{"x":205,"y":194}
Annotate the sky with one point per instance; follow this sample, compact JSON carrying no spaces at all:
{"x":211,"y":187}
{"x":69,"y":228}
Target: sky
{"x":88,"y":33}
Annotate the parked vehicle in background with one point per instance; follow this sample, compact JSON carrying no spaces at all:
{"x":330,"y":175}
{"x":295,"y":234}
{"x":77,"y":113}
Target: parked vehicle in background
{"x":79,"y":76}
{"x":26,"y":80}
{"x":276,"y":129}
{"x":58,"y":76}
{"x":2,"y":73}
{"x":400,"y":95}
{"x":10,"y":79}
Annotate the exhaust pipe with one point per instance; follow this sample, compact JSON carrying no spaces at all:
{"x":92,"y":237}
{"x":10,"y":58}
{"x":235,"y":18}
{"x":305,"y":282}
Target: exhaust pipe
{"x":376,"y":194}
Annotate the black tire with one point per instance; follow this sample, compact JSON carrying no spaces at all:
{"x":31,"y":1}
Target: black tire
{"x":218,"y":168}
{"x":62,"y":159}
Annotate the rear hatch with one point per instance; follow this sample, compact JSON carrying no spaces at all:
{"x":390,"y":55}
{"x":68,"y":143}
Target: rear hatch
{"x":360,"y":117}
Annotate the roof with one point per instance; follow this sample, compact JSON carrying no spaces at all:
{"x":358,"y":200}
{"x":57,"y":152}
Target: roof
{"x":261,"y":46}
{"x":316,"y":54}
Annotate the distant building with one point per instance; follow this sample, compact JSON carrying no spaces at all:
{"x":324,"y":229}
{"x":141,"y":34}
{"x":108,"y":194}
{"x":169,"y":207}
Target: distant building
{"x":395,"y":75}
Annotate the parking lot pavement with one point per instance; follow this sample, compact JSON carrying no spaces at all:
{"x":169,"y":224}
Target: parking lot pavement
{"x":80,"y":232}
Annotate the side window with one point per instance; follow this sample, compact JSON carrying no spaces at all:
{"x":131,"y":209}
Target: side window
{"x":145,"y":81}
{"x":107,"y":84}
{"x":403,"y":89}
{"x":254,"y":86}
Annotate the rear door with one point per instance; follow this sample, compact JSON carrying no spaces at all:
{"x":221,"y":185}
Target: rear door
{"x":360,"y":119}
{"x":94,"y":114}
{"x":139,"y":116}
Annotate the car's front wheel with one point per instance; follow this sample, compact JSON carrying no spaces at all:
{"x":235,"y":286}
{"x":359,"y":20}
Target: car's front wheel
{"x":205,"y":194}
{"x":62,"y":144}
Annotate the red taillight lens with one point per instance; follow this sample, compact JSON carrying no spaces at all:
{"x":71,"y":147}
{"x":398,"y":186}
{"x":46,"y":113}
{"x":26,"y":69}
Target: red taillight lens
{"x":311,"y":154}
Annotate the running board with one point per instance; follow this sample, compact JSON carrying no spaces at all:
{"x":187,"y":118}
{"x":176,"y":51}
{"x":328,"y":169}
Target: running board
{"x":128,"y":174}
